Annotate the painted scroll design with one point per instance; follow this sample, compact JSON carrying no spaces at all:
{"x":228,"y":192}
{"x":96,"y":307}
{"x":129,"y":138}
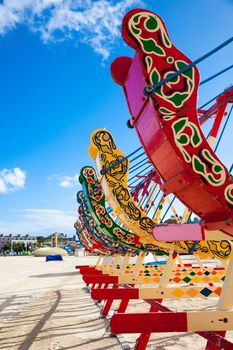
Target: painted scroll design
{"x":96,"y":200}
{"x":81,"y":233}
{"x":116,"y":178}
{"x":146,"y":32}
{"x":94,"y":230}
{"x":86,"y":239}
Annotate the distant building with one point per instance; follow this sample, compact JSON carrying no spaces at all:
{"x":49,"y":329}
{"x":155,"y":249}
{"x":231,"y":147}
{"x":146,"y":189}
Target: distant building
{"x":9,"y":239}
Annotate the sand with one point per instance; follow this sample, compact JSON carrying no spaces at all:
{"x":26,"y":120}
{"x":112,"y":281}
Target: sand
{"x":46,"y":306}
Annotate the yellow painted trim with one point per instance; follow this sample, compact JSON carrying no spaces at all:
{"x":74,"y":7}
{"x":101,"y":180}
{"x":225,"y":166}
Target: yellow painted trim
{"x":226,"y":298}
{"x":216,"y":235}
{"x":210,"y":321}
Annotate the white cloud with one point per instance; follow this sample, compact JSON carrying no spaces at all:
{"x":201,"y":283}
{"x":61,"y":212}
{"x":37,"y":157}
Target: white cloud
{"x":94,"y":22}
{"x":69,"y":181}
{"x":35,"y":221}
{"x":66,"y":181}
{"x":46,"y":218}
{"x":12,"y":180}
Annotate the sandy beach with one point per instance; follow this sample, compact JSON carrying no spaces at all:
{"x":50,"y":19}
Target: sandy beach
{"x":46,"y":306}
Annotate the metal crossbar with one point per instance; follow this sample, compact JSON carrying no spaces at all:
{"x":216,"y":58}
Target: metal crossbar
{"x":150,"y":90}
{"x":216,"y":75}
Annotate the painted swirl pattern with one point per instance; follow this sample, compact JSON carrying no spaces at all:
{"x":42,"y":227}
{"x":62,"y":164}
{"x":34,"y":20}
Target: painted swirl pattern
{"x":96,"y":201}
{"x":106,"y":153}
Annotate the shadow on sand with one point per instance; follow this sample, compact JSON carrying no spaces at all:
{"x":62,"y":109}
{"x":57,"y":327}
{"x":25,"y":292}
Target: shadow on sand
{"x":74,"y":273}
{"x":50,"y":320}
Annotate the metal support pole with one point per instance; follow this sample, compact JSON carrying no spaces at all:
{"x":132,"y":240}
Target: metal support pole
{"x":138,"y":264}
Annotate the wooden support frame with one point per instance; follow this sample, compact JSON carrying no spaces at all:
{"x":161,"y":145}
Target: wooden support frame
{"x":164,"y":322}
{"x":215,"y":321}
{"x":211,"y":325}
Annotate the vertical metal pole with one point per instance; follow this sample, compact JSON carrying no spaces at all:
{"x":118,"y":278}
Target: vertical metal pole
{"x":225,"y":302}
{"x":155,"y":257}
{"x":168,"y":270}
{"x":199,"y":261}
{"x":115,"y":263}
{"x":111,"y":260}
{"x":138,"y":264}
{"x":98,"y":261}
{"x":226,"y":298}
{"x":125,"y":263}
{"x":101,"y":266}
{"x":180,"y":261}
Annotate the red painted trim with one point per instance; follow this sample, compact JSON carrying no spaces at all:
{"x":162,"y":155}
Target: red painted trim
{"x":119,"y":293}
{"x":156,"y":136}
{"x":91,"y":272}
{"x":212,"y":337}
{"x":100,"y":279}
{"x":149,"y":322}
{"x":218,"y":119}
{"x":212,"y":346}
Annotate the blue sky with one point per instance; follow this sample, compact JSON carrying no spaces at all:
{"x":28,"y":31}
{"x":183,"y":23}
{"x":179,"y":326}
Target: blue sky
{"x":56,"y":87}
